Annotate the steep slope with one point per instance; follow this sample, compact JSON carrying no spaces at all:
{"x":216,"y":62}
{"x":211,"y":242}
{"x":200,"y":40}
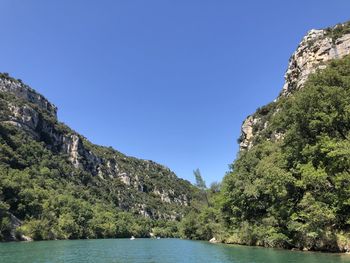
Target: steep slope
{"x":315,"y":50}
{"x":48,"y":172}
{"x":290,"y":185}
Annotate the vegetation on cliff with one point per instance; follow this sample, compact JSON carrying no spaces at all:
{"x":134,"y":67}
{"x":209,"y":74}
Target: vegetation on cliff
{"x":99,"y":193}
{"x":57,"y":201}
{"x":292,"y":188}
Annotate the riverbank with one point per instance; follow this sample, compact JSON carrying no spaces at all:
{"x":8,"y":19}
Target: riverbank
{"x":343,"y":248}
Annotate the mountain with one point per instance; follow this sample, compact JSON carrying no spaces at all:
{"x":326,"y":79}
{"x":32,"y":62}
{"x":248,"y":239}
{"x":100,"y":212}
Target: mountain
{"x":54,"y":183}
{"x":316,"y":49}
{"x":290,"y":184}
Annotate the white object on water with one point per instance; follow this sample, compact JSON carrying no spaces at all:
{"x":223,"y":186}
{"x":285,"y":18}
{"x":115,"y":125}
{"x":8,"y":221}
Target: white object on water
{"x":213,"y":240}
{"x":132,"y":238}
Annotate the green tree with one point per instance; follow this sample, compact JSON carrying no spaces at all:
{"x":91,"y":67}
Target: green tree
{"x":200,"y":183}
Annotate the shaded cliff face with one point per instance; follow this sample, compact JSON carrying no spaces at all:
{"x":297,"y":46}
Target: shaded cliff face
{"x":145,"y":188}
{"x":314,"y":51}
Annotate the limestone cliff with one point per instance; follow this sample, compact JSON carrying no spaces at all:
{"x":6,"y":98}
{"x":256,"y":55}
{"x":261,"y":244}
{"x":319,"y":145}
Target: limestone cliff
{"x":315,"y":49}
{"x":16,"y":87}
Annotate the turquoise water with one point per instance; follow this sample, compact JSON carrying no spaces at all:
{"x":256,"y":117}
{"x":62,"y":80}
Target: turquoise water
{"x":150,"y":250}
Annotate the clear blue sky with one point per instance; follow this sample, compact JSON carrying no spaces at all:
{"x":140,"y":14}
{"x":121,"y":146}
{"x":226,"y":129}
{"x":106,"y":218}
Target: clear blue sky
{"x":165,"y":80}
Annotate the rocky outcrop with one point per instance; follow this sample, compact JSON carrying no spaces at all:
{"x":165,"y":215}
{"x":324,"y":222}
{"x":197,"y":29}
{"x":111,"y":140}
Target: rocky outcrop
{"x":247,"y":132}
{"x":71,"y":145}
{"x":16,"y":87}
{"x":25,"y":115}
{"x":314,"y":51}
{"x":13,"y":234}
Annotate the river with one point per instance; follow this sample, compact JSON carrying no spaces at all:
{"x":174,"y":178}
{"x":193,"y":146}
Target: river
{"x":153,"y":251}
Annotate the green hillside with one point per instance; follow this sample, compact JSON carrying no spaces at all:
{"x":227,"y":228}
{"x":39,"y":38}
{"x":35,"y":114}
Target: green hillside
{"x":55,"y":184}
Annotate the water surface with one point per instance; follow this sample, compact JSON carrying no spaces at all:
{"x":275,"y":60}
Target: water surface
{"x":153,"y":251}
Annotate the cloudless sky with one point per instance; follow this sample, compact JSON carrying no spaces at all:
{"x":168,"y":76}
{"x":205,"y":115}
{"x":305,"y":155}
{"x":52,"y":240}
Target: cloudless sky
{"x":166,"y":80}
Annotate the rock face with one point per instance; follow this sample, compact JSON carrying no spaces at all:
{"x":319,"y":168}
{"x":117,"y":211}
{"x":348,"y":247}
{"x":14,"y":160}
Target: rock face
{"x":315,"y":49}
{"x":24,"y":108}
{"x":16,"y":87}
{"x":247,"y":132}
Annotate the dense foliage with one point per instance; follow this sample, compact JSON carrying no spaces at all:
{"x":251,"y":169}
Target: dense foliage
{"x":205,"y":220}
{"x":292,"y":188}
{"x":38,"y":187}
